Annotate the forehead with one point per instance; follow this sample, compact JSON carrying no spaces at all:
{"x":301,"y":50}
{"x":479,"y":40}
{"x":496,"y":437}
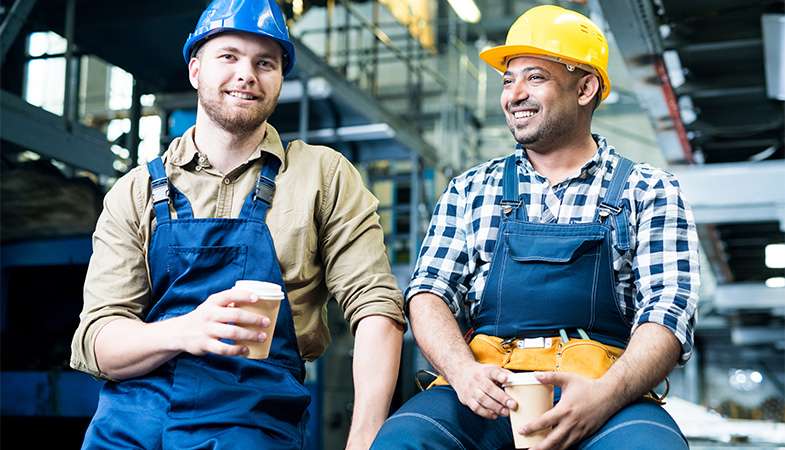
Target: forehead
{"x":244,"y":42}
{"x":520,"y":63}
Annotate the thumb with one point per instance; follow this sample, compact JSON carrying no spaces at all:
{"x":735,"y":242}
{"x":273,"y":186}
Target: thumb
{"x":554,"y":378}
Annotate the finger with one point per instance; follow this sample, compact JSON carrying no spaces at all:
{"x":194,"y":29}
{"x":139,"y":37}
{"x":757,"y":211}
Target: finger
{"x":500,"y":398}
{"x":225,"y":331}
{"x":489,"y":403}
{"x":558,"y":438}
{"x":220,"y":348}
{"x":224,"y":298}
{"x":555,"y":378}
{"x":500,"y":375}
{"x":239,"y":316}
{"x":480,"y":410}
{"x":551,"y":418}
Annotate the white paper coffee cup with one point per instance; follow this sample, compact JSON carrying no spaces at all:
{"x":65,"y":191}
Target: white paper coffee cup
{"x":270,"y":296}
{"x":534,"y":399}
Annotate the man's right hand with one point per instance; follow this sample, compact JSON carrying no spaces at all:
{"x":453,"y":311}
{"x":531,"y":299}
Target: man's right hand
{"x":200,"y":331}
{"x":479,"y":386}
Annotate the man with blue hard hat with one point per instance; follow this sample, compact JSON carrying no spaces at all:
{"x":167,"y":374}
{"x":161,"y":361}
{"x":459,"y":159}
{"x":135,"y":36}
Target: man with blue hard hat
{"x":227,"y":202}
{"x":568,"y":260}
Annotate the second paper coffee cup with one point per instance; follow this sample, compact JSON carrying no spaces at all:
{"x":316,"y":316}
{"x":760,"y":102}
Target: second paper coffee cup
{"x":270,"y":296}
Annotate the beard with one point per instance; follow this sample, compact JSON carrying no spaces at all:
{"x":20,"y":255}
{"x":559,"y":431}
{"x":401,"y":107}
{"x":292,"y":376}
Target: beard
{"x":548,"y":131}
{"x":235,"y":119}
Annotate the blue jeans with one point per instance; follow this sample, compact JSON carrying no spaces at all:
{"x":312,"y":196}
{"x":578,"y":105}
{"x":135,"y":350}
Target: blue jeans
{"x":436,"y":420}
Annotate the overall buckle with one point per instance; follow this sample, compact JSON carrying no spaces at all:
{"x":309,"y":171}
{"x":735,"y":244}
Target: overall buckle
{"x":607,"y":210}
{"x":160,"y":188}
{"x":509,"y":205}
{"x":265,"y":190}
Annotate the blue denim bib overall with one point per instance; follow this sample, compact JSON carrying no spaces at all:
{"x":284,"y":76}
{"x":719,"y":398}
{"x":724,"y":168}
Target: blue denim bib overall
{"x":550,"y":276}
{"x":543,"y":277}
{"x":210,"y":401}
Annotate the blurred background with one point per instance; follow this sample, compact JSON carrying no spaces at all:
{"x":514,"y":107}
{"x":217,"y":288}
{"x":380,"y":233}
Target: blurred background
{"x":91,"y":88}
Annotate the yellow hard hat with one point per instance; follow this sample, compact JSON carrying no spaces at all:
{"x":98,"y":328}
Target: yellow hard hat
{"x":557,"y":34}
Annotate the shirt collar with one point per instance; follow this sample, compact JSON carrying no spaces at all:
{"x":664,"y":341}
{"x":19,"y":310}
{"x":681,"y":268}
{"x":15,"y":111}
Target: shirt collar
{"x":603,"y":152}
{"x":183,"y":150}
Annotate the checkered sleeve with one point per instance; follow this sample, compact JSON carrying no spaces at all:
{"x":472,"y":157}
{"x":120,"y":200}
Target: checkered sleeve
{"x":666,"y":260}
{"x":442,"y":268}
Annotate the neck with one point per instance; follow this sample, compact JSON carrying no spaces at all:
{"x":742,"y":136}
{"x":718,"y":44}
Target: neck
{"x":225,"y":150}
{"x":556,"y":163}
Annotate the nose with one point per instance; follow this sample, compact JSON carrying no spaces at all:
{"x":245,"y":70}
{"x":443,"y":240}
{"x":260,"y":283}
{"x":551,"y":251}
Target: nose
{"x":519,"y":89}
{"x":246,"y":71}
{"x":515,"y":93}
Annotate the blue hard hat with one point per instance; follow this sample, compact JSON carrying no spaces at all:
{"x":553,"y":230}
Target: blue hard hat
{"x":261,"y":17}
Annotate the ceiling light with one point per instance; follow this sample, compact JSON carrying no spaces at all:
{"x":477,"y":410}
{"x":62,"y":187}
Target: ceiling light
{"x":466,"y":9}
{"x":776,"y":282}
{"x":775,"y":256}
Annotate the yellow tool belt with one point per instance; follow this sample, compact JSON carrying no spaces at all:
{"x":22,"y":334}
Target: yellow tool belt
{"x":547,"y":354}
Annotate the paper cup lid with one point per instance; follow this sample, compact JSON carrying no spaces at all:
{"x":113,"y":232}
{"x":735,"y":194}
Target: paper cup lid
{"x":261,"y":288}
{"x":522,"y":378}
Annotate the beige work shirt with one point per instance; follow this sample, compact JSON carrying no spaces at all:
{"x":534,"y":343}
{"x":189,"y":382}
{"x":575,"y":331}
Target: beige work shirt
{"x":323,"y":223}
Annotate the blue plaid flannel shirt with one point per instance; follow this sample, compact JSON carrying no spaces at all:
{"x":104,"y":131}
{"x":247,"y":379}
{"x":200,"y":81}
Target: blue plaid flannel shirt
{"x":658,"y":279}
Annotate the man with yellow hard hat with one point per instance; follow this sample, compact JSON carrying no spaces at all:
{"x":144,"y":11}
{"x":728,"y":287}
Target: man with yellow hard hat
{"x":567,"y":258}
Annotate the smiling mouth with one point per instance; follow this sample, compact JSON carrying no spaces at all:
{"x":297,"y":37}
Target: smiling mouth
{"x":241,"y":95}
{"x":523,"y":114}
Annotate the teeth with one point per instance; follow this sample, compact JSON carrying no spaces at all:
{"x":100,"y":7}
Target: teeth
{"x":241,"y":95}
{"x":523,"y":114}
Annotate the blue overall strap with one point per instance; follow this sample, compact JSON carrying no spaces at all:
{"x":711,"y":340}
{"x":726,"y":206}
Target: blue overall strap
{"x":510,"y":198}
{"x":265,"y":187}
{"x":611,"y":204}
{"x":160,"y":186}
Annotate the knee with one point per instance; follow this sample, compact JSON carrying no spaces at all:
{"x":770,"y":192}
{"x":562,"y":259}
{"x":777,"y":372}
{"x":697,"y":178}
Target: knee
{"x":413,"y":431}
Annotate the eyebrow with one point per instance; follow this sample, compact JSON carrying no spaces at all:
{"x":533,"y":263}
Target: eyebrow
{"x":231,"y":49}
{"x":524,"y":70}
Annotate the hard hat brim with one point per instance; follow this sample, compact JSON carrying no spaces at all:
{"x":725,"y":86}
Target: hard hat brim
{"x":497,"y":57}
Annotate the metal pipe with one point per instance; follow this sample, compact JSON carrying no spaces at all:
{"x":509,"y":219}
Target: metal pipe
{"x":71,"y":91}
{"x":136,"y":115}
{"x":12,"y":23}
{"x":329,"y":30}
{"x":347,"y":17}
{"x":374,"y":78}
{"x":304,"y":105}
{"x":414,"y":205}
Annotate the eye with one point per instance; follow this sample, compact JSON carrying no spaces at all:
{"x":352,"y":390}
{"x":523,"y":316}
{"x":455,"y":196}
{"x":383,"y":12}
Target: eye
{"x":506,"y":81}
{"x":536,"y":77}
{"x":227,"y":57}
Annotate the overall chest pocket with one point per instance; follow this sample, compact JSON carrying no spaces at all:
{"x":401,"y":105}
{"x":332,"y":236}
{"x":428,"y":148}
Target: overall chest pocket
{"x":552,"y":249}
{"x":212,"y":268}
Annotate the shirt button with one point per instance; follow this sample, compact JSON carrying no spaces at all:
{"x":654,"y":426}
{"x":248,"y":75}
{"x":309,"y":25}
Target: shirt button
{"x":227,"y":181}
{"x":198,"y":168}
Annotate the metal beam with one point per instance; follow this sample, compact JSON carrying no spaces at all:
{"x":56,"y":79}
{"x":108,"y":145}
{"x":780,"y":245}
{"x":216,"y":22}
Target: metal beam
{"x":636,"y":32}
{"x":735,"y":192}
{"x":364,"y":103}
{"x":734,"y":297}
{"x":756,"y":335}
{"x":354,"y":133}
{"x":13,"y":22}
{"x":45,"y":133}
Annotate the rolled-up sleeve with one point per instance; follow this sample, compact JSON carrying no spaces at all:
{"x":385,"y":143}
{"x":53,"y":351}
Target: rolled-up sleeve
{"x":666,"y":263}
{"x":117,"y":283}
{"x":357,"y":269}
{"x":442,"y":264}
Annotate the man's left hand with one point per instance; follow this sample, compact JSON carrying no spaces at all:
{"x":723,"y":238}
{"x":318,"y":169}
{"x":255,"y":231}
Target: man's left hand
{"x":584,"y":406}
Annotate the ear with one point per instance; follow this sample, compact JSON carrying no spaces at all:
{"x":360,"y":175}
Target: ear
{"x":588,"y":87}
{"x":193,"y":72}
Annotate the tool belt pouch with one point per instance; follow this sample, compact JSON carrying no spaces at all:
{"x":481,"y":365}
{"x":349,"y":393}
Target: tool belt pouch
{"x":585,"y":357}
